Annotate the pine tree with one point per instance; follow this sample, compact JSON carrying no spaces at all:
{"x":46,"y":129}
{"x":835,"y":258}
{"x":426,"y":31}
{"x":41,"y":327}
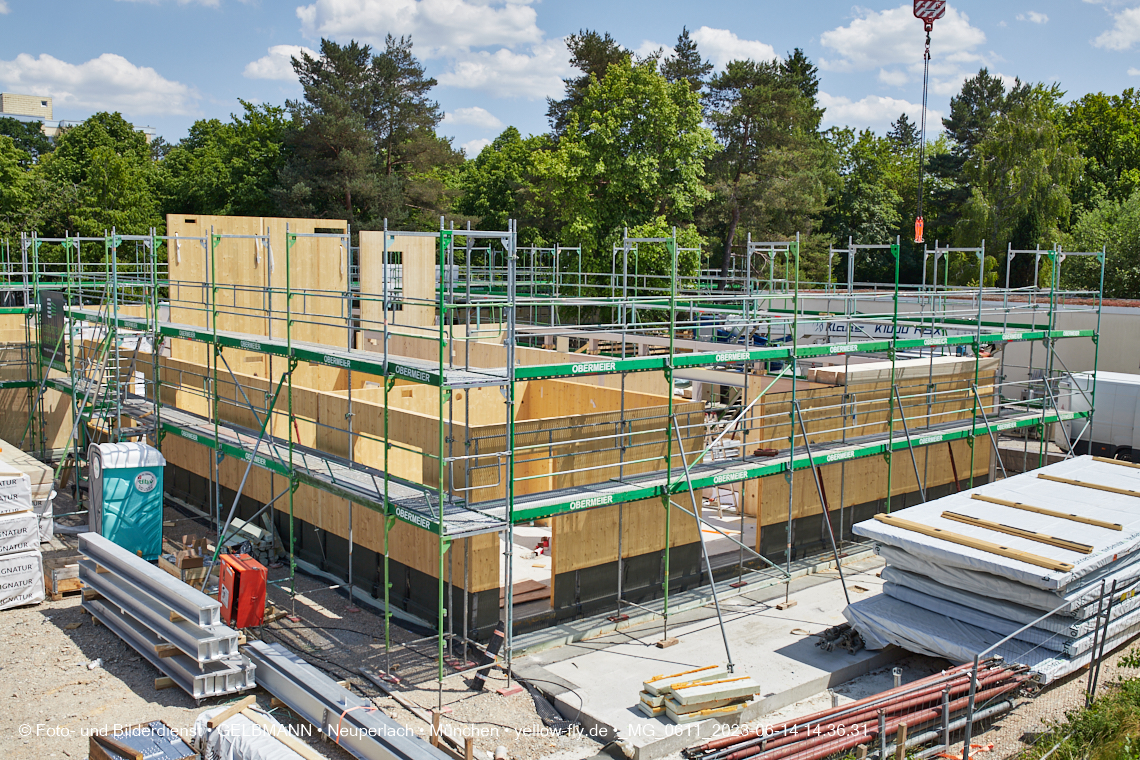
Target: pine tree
{"x":903,"y":134}
{"x":686,"y":63}
{"x":592,"y":54}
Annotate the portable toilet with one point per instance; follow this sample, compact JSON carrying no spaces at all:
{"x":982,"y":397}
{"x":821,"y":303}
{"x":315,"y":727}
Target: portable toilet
{"x":126,"y":496}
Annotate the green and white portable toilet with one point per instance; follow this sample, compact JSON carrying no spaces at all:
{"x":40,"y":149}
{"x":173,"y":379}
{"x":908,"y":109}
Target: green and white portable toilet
{"x":126,"y":496}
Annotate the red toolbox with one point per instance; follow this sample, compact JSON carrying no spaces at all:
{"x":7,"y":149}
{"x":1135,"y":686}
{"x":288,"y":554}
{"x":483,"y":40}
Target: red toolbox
{"x":242,"y":590}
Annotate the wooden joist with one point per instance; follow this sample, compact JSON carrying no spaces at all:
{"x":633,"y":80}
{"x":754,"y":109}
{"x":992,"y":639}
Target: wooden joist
{"x":1049,"y":512}
{"x":231,"y":711}
{"x":976,"y":543}
{"x":1094,"y":486}
{"x":1011,"y":530}
{"x":1106,"y":460}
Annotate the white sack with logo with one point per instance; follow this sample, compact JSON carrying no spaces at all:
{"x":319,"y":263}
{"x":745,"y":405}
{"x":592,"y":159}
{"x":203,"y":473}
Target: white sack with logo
{"x":15,"y":490}
{"x":19,"y":532}
{"x":21,"y":579}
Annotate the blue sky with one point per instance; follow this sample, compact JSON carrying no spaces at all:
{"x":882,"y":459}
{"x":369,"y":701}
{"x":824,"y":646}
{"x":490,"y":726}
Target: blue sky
{"x":166,"y":63}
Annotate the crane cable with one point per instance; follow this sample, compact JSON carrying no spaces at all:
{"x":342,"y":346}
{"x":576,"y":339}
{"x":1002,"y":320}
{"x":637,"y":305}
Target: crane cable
{"x":918,"y":222}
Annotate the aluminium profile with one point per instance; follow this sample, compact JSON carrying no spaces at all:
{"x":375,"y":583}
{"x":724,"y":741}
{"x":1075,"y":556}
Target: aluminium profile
{"x":172,"y":593}
{"x":199,"y":681}
{"x":353,"y":722}
{"x":204,"y":644}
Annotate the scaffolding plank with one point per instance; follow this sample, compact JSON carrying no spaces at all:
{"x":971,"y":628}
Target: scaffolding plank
{"x":976,"y":543}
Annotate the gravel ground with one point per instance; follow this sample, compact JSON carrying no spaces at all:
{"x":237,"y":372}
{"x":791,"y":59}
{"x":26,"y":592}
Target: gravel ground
{"x":54,"y":701}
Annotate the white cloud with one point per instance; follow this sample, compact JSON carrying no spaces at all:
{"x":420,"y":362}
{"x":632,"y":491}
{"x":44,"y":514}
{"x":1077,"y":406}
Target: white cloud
{"x":874,"y":111}
{"x":722,"y":46}
{"x":1134,"y":72}
{"x":896,"y":77}
{"x":109,"y":82}
{"x":1124,"y":33}
{"x":3,"y":7}
{"x":504,"y":73}
{"x":473,"y":148}
{"x":278,"y":63}
{"x":438,"y":27}
{"x":474,"y":116}
{"x":1033,"y":17}
{"x":894,"y":37}
{"x":649,"y":47}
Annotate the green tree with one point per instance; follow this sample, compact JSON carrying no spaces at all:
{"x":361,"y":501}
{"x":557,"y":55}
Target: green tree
{"x":686,"y":63}
{"x":228,"y":168}
{"x":363,"y":142}
{"x":500,"y":184}
{"x":634,"y":150}
{"x":1112,"y":226}
{"x":592,"y":54}
{"x":771,"y":177}
{"x":332,"y":170}
{"x":1020,"y":174}
{"x":28,"y":136}
{"x":1106,"y":129}
{"x":15,"y":187}
{"x":100,"y":176}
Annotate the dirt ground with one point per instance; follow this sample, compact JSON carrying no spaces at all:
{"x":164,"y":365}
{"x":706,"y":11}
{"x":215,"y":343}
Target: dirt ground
{"x":55,"y":701}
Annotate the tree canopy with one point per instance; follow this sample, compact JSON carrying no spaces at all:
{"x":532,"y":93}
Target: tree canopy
{"x":635,"y":143}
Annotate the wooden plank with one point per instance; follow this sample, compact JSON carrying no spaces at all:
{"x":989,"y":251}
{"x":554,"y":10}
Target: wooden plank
{"x":164,"y":682}
{"x":1117,"y":462}
{"x":231,"y":711}
{"x":281,"y":734}
{"x":975,"y":543}
{"x":1049,"y":512}
{"x":121,"y":750}
{"x":166,"y":650}
{"x":1011,"y":530}
{"x":1093,"y":486}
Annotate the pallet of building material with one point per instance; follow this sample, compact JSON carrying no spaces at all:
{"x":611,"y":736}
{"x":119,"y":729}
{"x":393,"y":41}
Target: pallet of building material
{"x":707,"y":713}
{"x":662,"y":685}
{"x":919,"y":369}
{"x":23,"y":579}
{"x":153,"y":741}
{"x":700,"y":692}
{"x":62,"y":578}
{"x":191,"y":574}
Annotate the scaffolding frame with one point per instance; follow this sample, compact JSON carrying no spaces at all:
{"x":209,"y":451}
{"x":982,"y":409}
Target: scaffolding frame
{"x":756,"y":323}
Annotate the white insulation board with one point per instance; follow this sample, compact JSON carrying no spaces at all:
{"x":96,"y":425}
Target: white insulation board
{"x":15,"y":490}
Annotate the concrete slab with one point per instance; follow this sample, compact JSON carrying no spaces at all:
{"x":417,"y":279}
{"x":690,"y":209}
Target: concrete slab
{"x":603,"y":676}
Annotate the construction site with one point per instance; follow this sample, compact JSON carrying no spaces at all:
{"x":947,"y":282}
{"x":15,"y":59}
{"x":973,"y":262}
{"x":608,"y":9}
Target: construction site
{"x":619,"y":503}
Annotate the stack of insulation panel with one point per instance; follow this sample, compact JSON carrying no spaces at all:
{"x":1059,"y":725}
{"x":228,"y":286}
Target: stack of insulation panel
{"x":174,"y":626}
{"x":21,"y":564}
{"x":695,"y":695}
{"x":966,"y":571}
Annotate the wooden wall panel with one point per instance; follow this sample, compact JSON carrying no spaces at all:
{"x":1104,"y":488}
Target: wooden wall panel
{"x":590,"y":538}
{"x":418,"y":272}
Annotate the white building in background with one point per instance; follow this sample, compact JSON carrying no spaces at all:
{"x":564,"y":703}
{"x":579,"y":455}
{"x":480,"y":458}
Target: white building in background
{"x":31,"y":108}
